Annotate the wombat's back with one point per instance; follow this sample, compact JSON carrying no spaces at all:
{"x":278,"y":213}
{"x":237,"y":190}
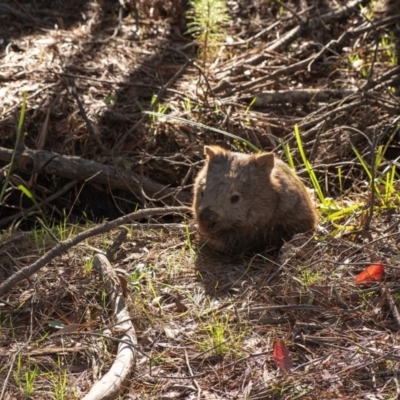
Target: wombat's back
{"x":249,"y":202}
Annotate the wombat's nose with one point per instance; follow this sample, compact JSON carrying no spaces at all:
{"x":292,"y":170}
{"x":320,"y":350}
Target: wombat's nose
{"x":208,"y":216}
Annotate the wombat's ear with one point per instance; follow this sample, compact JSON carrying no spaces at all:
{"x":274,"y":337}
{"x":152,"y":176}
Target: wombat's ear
{"x":265,"y":161}
{"x":212,"y":151}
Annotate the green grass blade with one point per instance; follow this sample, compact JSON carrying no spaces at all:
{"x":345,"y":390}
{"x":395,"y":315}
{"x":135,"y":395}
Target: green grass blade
{"x":288,"y":154}
{"x":17,"y":141}
{"x":31,"y":197}
{"x":363,"y":163}
{"x":311,"y":173}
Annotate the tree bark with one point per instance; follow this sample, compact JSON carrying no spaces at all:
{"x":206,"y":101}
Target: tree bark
{"x":81,"y":169}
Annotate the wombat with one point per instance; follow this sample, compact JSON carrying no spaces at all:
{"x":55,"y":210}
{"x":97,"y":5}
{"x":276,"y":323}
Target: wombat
{"x":247,"y":202}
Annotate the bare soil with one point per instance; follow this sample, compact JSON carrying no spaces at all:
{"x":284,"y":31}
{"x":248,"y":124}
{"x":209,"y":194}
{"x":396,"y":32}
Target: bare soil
{"x":206,"y":325}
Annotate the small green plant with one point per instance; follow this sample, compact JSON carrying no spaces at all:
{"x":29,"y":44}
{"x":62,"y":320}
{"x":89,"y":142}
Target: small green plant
{"x":368,"y":11}
{"x":39,"y":236}
{"x":309,"y":278}
{"x":384,"y":183}
{"x":216,"y":334}
{"x":64,"y":230}
{"x":17,"y":142}
{"x":136,"y":276}
{"x":161,"y":108}
{"x":111,"y":99}
{"x":389,"y":45}
{"x":188,"y":105}
{"x":217,"y":337}
{"x":221,"y":340}
{"x":60,"y":383}
{"x":247,"y":111}
{"x":87,"y":269}
{"x":25,"y":377}
{"x":206,"y":18}
{"x":358,"y":64}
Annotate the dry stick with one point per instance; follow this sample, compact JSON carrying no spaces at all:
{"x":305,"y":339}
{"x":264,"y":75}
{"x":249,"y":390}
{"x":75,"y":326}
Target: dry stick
{"x":77,"y":168}
{"x":112,"y":383}
{"x":283,"y":71}
{"x":300,"y":65}
{"x":378,"y":82}
{"x":94,"y":135}
{"x":33,"y":95}
{"x":268,"y":97}
{"x":13,"y":357}
{"x":287,"y":39}
{"x":66,"y":244}
{"x":346,"y":107}
{"x":192,"y":375}
{"x":288,"y":70}
{"x":392,"y":305}
{"x":313,"y":23}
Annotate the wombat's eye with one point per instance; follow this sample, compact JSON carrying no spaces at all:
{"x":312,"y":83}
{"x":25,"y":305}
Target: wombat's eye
{"x":235,"y":198}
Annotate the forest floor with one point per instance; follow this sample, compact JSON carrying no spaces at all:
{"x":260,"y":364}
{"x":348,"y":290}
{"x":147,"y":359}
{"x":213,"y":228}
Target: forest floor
{"x":301,"y":324}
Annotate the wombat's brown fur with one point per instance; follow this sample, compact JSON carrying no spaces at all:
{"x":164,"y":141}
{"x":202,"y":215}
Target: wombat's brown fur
{"x":249,"y":202}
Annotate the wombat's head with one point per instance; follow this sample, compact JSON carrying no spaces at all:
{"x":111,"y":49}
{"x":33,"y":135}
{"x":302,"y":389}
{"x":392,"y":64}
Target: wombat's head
{"x":230,"y":197}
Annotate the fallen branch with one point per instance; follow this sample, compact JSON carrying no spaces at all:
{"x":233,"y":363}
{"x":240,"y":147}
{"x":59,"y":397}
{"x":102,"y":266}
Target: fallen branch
{"x":112,"y":383}
{"x":81,"y":169}
{"x":268,"y":97}
{"x":66,"y":244}
{"x":313,"y":23}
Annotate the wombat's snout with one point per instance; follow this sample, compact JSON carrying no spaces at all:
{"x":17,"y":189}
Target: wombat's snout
{"x":208,"y":218}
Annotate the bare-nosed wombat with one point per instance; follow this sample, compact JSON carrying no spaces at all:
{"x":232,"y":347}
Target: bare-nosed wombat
{"x":249,"y":202}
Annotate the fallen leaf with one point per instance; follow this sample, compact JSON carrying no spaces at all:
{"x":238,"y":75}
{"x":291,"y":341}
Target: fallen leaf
{"x":180,"y":307}
{"x":372,"y":273}
{"x":124,"y":285}
{"x":282,"y":357}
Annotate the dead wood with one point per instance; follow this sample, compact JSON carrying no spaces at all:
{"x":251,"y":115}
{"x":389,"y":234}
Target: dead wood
{"x":67,"y":244}
{"x":268,"y":97}
{"x":289,"y":37}
{"x":112,"y":383}
{"x":81,"y":169}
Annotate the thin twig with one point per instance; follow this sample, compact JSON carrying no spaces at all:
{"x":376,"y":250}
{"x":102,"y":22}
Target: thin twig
{"x":192,"y":375}
{"x":93,"y":134}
